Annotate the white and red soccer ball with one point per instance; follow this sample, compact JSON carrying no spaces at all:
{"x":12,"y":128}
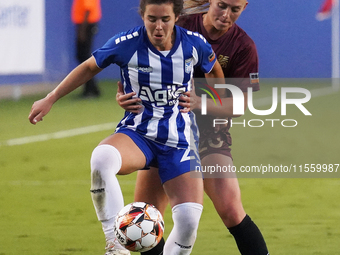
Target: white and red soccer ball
{"x":139,"y":226}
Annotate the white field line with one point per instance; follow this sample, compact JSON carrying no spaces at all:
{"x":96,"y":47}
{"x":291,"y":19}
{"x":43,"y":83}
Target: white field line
{"x":21,"y":183}
{"x":107,"y":126}
{"x":60,"y":134}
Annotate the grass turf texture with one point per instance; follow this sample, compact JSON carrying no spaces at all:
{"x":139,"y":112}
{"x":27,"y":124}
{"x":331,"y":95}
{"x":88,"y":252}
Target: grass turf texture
{"x":44,"y":187}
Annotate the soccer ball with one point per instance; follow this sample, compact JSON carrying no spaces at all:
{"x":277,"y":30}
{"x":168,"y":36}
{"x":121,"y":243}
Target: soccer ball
{"x":139,"y":226}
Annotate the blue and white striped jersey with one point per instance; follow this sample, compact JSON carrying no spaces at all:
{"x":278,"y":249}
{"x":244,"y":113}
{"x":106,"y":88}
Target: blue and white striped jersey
{"x":158,"y":78}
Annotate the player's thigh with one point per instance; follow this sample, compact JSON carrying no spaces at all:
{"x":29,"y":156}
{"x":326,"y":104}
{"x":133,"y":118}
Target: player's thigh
{"x":149,"y":189}
{"x":224,"y":191}
{"x":184,"y":188}
{"x":132,"y":156}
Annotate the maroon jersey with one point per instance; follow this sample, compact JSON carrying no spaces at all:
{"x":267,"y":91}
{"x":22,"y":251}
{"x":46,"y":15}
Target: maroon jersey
{"x":236,"y":52}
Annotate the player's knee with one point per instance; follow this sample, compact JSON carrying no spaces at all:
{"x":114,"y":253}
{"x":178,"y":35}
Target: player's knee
{"x":232,"y":215}
{"x":105,"y":158}
{"x":187,"y":216}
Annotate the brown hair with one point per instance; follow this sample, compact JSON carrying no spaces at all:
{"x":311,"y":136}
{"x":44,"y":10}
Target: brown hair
{"x":178,"y":5}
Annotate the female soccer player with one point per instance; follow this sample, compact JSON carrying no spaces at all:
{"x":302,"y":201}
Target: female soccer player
{"x":236,"y":52}
{"x":157,"y":62}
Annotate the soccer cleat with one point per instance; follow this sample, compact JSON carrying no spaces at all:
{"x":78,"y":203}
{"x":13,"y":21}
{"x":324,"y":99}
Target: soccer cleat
{"x":111,"y":250}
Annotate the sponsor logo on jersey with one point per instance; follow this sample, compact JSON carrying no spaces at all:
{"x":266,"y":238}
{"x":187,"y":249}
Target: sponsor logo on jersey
{"x":144,"y":69}
{"x":162,"y":97}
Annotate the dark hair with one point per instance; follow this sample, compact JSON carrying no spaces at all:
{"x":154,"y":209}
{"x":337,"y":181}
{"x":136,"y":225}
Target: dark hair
{"x":178,"y":5}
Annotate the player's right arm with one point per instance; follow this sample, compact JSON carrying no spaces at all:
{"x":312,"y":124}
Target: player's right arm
{"x":80,"y":75}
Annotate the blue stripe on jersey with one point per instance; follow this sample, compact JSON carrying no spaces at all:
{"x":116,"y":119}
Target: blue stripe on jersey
{"x":144,"y":78}
{"x":180,"y":129}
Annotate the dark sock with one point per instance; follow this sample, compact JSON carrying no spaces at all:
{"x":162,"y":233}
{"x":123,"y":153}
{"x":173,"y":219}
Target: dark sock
{"x":248,"y":238}
{"x":157,"y":250}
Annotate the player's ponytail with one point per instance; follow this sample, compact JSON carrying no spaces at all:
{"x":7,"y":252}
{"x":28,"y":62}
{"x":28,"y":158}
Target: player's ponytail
{"x":195,"y":6}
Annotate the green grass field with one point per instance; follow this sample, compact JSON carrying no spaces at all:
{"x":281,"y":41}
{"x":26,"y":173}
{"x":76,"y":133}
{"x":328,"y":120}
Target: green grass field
{"x":45,"y":204}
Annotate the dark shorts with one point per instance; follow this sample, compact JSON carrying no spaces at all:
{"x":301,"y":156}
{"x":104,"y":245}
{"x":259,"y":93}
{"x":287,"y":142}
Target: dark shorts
{"x":215,"y":143}
{"x":171,"y":161}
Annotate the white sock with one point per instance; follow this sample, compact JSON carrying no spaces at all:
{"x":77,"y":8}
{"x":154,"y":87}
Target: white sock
{"x":181,"y":240}
{"x":109,"y":233}
{"x":106,"y":194}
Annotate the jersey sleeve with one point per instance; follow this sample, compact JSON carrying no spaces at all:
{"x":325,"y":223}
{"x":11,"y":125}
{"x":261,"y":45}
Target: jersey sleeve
{"x":207,"y":57}
{"x":117,"y":49}
{"x":108,"y":54}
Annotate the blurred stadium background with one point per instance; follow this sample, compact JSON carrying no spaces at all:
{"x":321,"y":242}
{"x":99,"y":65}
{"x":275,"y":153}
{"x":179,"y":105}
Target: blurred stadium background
{"x":37,"y":39}
{"x":45,"y":205}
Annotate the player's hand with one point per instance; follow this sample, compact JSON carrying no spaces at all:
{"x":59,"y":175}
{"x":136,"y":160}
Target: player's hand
{"x":184,"y":101}
{"x":40,"y":109}
{"x":189,"y":100}
{"x":126,"y":101}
